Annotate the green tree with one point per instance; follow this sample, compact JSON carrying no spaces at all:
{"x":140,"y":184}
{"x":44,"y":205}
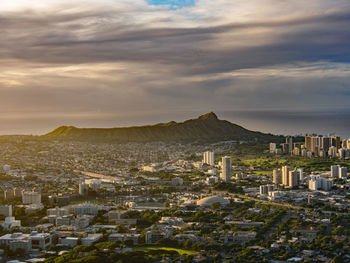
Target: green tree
{"x":215,"y":206}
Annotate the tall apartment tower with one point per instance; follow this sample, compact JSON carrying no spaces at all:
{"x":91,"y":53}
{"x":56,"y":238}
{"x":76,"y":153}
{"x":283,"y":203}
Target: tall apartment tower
{"x":347,"y":144}
{"x":285,"y":148}
{"x":285,"y":175}
{"x":300,"y":175}
{"x":289,"y":141}
{"x":293,"y":178}
{"x":332,"y":152}
{"x":308,"y":142}
{"x":277,"y":176}
{"x":341,"y":153}
{"x":335,"y":141}
{"x":316,"y":144}
{"x":335,"y":171}
{"x":208,"y":158}
{"x":273,"y":147}
{"x":325,"y":143}
{"x":226,"y":169}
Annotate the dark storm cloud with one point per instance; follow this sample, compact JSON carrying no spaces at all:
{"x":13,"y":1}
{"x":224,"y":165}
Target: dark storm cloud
{"x":68,"y":39}
{"x":133,"y":58}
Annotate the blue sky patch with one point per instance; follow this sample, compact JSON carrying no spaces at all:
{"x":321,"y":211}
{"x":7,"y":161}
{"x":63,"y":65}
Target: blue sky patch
{"x":173,"y":3}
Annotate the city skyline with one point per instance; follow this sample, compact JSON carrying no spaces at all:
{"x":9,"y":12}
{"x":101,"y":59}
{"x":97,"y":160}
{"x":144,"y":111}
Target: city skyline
{"x":174,"y":131}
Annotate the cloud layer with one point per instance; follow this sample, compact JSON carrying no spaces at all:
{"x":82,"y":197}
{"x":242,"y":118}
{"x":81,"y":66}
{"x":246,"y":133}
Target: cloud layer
{"x":100,"y":60}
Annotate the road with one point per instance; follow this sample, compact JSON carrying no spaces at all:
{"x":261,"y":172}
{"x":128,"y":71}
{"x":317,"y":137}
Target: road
{"x":289,"y":206}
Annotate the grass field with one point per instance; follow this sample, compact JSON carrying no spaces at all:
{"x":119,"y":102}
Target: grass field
{"x":180,"y":251}
{"x":263,"y":172}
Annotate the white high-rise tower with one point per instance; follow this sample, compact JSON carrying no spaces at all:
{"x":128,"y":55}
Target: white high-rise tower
{"x":226,"y":169}
{"x":208,"y":158}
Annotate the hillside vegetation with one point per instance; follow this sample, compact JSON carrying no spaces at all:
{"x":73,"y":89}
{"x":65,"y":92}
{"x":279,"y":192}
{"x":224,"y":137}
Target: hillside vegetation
{"x":206,"y":128}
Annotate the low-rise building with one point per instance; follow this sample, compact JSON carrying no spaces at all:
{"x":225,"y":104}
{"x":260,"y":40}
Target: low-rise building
{"x":153,"y":236}
{"x":64,"y":220}
{"x":27,"y":242}
{"x":6,"y":210}
{"x":85,"y":209}
{"x":245,"y":224}
{"x":11,"y":222}
{"x":177,"y":181}
{"x":90,"y":239}
{"x":238,"y":237}
{"x":120,"y":216}
{"x":57,"y":211}
{"x":70,"y":241}
{"x":40,"y":240}
{"x":123,"y":237}
{"x":31,"y":198}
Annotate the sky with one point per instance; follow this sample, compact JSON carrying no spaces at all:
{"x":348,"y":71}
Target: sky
{"x":110,"y":63}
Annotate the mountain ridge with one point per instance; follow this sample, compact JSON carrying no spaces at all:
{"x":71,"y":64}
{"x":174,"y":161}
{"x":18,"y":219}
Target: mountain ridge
{"x":207,"y":127}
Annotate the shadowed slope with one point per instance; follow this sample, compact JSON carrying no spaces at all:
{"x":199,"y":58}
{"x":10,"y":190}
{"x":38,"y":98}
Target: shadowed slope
{"x":205,"y":128}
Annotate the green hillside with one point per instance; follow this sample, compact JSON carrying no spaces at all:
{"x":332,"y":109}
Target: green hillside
{"x":205,"y":128}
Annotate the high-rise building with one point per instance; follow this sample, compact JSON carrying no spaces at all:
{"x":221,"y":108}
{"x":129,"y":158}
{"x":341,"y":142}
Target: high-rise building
{"x":285,"y":175}
{"x":296,"y":151}
{"x":226,"y":169}
{"x":264,"y":190}
{"x":303,"y":152}
{"x":273,"y":147}
{"x":316,"y":144}
{"x":319,"y":183}
{"x":325,"y":143}
{"x":308,"y":142}
{"x":277,"y":176}
{"x":290,"y":178}
{"x":341,"y":153}
{"x":332,"y":152}
{"x":289,"y":141}
{"x":285,"y":148}
{"x":347,"y":144}
{"x":335,"y":141}
{"x":297,"y":145}
{"x":321,"y":145}
{"x":293,"y":178}
{"x":313,"y":143}
{"x":343,"y":172}
{"x":300,"y":172}
{"x":208,"y":158}
{"x":322,"y":153}
{"x":344,"y":143}
{"x":335,"y":171}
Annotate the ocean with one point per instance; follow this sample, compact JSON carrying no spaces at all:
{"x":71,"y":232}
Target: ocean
{"x":288,"y":122}
{"x":284,"y":122}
